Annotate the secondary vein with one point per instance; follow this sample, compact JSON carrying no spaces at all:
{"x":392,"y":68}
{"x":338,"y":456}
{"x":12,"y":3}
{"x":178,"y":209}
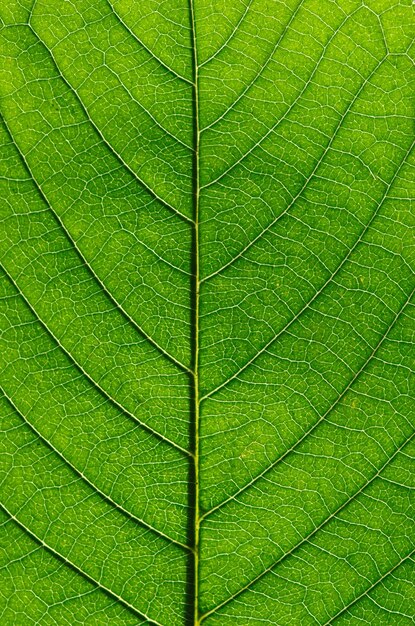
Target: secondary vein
{"x":81,"y":369}
{"x":83,"y":477}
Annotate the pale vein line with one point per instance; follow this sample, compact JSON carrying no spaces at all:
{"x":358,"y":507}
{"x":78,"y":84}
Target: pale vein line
{"x":231,"y":36}
{"x":94,"y":487}
{"x":321,"y":418}
{"x":312,"y":533}
{"x":20,"y":558}
{"x":142,"y":107}
{"x":154,"y":252}
{"x":112,"y":298}
{"x":329,"y":280}
{"x":77,"y":569}
{"x":143,"y":184}
{"x":94,"y":383}
{"x":375,"y":584}
{"x":151,"y":53}
{"x":285,"y":30}
{"x":118,"y":80}
{"x":292,"y":105}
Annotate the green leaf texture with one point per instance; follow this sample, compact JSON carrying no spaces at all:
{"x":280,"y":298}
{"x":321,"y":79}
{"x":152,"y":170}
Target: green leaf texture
{"x":207,"y":312}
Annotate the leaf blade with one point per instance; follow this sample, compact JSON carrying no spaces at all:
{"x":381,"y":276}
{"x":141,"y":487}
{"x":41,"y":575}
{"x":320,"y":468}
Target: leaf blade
{"x":207,"y":311}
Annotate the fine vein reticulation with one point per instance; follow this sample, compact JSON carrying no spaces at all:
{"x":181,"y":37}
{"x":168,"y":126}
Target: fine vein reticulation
{"x":207,"y":294}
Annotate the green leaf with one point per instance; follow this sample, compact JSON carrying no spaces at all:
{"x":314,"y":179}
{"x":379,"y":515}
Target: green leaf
{"x":207,"y":312}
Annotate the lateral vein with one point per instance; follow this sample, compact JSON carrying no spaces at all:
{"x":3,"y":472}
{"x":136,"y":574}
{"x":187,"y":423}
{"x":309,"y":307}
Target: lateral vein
{"x":91,"y":380}
{"x":93,"y":486}
{"x":72,"y":241}
{"x":77,"y":569}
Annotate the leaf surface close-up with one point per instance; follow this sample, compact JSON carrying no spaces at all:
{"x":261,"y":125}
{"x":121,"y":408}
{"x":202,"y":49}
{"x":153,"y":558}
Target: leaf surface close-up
{"x":207,"y":312}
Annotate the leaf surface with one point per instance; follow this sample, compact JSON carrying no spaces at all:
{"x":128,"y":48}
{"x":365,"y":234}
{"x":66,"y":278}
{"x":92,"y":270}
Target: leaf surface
{"x":207,"y":312}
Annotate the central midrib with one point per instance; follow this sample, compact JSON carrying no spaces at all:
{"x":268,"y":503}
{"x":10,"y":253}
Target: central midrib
{"x":194,"y":618}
